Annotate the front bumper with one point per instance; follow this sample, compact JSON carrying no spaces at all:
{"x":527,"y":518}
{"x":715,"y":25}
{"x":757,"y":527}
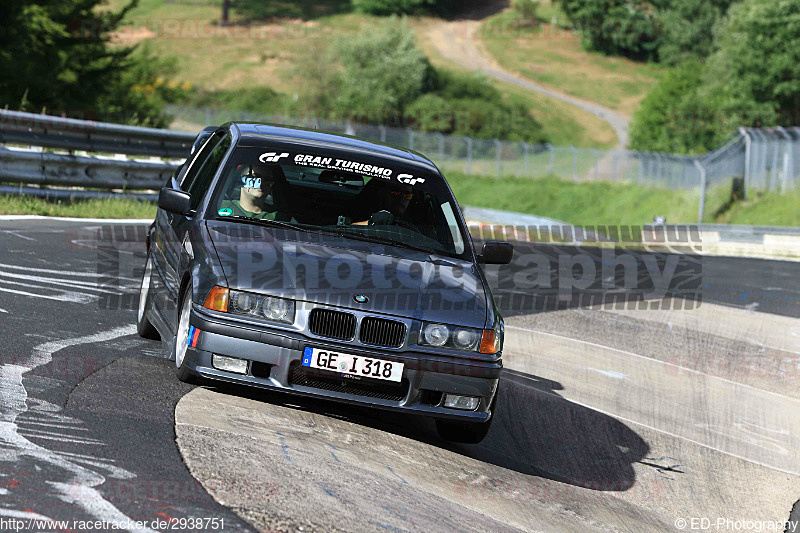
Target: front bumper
{"x":425,"y":377}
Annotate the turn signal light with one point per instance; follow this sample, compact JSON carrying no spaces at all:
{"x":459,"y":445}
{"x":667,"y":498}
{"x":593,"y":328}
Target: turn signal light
{"x":217,"y":299}
{"x":490,"y":342}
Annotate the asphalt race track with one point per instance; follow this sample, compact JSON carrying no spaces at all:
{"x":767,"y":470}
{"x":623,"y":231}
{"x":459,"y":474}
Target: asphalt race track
{"x":612,"y":417}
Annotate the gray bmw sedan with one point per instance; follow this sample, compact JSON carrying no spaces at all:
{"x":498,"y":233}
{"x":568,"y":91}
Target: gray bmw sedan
{"x":324,"y":266}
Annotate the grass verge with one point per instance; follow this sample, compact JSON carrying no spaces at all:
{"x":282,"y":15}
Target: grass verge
{"x":764,"y":209}
{"x":577,"y":203}
{"x":596,"y":203}
{"x":111,"y":208}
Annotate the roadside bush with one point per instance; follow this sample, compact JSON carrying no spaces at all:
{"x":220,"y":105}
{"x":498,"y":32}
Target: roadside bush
{"x":527,"y":11}
{"x":671,"y":31}
{"x":666,"y":122}
{"x":469,"y":105}
{"x":617,"y":27}
{"x":393,"y":7}
{"x":380,"y":76}
{"x":305,"y":9}
{"x":261,"y":99}
{"x":689,"y":27}
{"x":382,"y":70}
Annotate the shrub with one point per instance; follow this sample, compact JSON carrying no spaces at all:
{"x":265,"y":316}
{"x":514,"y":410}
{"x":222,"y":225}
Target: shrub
{"x":527,"y":11}
{"x":393,"y":7}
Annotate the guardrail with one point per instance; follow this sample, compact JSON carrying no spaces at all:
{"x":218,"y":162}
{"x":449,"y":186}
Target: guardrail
{"x":30,"y":129}
{"x":63,"y":170}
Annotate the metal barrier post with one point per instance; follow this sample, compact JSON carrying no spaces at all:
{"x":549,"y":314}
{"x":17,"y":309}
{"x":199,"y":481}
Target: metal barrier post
{"x":499,"y":147}
{"x":748,"y":145}
{"x":787,"y":159}
{"x":702,"y":206}
{"x":469,"y":155}
{"x":525,"y":159}
{"x":574,"y":163}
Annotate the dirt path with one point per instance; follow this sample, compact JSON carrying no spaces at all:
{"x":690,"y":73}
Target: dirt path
{"x":457,"y":42}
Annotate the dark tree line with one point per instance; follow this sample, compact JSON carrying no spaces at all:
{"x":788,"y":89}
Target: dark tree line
{"x":55,"y":56}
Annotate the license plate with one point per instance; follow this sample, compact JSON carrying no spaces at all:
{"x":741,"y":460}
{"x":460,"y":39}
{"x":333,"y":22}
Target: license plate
{"x":353,"y":365}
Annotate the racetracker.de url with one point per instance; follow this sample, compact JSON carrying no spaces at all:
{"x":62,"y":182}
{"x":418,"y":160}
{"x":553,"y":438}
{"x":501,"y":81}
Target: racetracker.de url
{"x":174,"y":524}
{"x":729,"y":524}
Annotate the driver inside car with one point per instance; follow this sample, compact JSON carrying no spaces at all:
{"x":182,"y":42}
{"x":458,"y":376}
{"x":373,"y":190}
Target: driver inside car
{"x":257,"y":195}
{"x":391,"y":203}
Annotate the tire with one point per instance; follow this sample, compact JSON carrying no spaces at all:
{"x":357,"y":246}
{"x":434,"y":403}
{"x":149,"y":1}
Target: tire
{"x":466,"y":432}
{"x":180,"y":345}
{"x":143,"y":325}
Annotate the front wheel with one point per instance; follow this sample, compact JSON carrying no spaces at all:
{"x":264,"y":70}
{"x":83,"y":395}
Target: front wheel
{"x":143,"y":325}
{"x":181,"y":343}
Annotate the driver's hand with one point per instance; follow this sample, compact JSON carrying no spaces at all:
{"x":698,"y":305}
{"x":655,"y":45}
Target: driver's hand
{"x":381,"y":218}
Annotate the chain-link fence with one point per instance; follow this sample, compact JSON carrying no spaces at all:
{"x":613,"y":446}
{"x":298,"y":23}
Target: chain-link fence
{"x":760,"y":159}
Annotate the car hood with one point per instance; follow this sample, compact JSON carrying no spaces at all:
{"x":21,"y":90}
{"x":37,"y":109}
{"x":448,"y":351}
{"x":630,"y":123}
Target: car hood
{"x":333,"y":270}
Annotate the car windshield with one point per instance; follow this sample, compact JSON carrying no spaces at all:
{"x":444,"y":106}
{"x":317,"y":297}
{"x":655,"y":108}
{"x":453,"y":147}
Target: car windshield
{"x":359,"y":197}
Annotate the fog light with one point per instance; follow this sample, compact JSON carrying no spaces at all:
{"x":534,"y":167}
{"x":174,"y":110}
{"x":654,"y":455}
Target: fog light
{"x":456,"y":401}
{"x":230,"y":364}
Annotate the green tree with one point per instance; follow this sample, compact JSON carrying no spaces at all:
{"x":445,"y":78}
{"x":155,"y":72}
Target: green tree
{"x":55,"y":56}
{"x":752,"y":79}
{"x":382,"y":70}
{"x":689,"y":29}
{"x":755,"y":72}
{"x":670,"y":118}
{"x":620,"y":27}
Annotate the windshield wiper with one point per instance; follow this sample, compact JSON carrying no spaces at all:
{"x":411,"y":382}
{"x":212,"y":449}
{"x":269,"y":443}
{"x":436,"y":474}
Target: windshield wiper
{"x":260,"y":221}
{"x":380,"y":240}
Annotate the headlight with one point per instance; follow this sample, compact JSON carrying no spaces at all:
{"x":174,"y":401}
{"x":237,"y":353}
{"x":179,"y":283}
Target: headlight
{"x":278,"y":309}
{"x":435,"y":334}
{"x":466,"y":339}
{"x":457,"y":338}
{"x":255,"y":305}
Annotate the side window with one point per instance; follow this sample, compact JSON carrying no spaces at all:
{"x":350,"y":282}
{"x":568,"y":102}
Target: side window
{"x":196,"y":162}
{"x":202,"y":181}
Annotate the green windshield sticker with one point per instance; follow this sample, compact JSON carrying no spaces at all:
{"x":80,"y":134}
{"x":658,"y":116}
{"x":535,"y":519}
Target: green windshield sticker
{"x":225,"y":212}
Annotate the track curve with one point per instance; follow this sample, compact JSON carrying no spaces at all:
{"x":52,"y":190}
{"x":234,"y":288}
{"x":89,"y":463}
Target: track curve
{"x":608,"y":419}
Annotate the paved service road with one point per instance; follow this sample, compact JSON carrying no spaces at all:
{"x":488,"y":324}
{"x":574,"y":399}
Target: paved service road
{"x":609,"y":419}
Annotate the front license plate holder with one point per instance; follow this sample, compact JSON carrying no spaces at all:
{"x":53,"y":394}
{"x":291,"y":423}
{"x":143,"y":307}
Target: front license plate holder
{"x":352,"y":365}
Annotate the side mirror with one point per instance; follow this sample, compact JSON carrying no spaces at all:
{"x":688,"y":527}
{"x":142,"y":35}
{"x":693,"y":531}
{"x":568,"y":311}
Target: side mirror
{"x":175,"y":201}
{"x":496,"y":253}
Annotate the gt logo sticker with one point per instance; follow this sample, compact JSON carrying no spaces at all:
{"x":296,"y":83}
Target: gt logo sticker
{"x":408,"y":179}
{"x":272,"y":157}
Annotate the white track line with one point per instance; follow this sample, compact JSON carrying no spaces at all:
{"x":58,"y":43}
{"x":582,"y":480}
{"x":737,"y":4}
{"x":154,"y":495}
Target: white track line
{"x":15,"y":234}
{"x":630,"y":421}
{"x":77,"y":219}
{"x":14,"y":402}
{"x":88,"y":274}
{"x":616,"y":350}
{"x":66,"y":297}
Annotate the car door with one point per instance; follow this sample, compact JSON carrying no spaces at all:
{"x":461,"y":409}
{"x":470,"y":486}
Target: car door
{"x":172,"y":228}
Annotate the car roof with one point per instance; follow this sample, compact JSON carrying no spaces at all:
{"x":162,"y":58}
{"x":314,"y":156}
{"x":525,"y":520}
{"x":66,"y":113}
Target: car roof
{"x":256,"y":133}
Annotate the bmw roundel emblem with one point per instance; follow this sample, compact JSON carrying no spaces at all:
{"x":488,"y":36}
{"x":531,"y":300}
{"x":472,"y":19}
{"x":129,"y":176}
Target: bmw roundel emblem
{"x":360,"y":298}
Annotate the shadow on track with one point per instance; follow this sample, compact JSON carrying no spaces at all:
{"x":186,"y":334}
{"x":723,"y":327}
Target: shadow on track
{"x":535,"y":432}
